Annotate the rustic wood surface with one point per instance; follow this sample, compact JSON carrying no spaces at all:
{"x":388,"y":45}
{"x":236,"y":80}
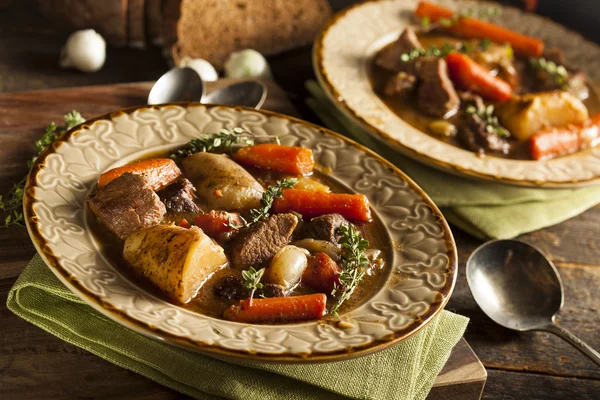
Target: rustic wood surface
{"x":463,"y":376}
{"x":36,"y":364}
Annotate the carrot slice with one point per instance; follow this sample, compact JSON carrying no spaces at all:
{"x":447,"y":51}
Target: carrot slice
{"x":555,"y":142}
{"x":321,"y":273}
{"x":312,"y":204}
{"x":290,"y":159}
{"x":160,"y":172}
{"x":471,"y":76}
{"x":278,"y":309}
{"x":477,"y":29}
{"x":216,"y":223}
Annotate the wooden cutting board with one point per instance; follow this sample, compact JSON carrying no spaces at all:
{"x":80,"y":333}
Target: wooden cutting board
{"x":23,"y":117}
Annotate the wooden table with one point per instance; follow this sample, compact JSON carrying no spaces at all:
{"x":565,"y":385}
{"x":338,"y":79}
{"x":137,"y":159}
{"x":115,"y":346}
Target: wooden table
{"x":530,"y":365}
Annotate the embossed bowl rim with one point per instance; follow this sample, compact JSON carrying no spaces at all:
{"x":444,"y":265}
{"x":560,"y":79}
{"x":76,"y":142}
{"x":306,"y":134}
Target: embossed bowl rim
{"x":551,"y":172}
{"x":120,"y":317}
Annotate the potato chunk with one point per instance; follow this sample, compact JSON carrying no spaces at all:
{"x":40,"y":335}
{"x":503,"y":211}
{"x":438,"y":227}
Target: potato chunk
{"x":533,"y":112}
{"x":176,"y":260}
{"x":222,"y":183}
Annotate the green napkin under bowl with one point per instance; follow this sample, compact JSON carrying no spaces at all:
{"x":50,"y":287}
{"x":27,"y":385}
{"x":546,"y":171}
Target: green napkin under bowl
{"x":404,"y":371}
{"x":486,"y":210}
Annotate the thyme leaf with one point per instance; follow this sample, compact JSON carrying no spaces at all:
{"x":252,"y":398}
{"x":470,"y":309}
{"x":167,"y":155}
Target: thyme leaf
{"x":438,"y":51}
{"x":12,"y":202}
{"x":273,"y":192}
{"x":558,"y":72}
{"x":251,"y":280}
{"x":354,"y":264}
{"x":222,"y":140}
{"x":492,"y":125}
{"x":480,"y":13}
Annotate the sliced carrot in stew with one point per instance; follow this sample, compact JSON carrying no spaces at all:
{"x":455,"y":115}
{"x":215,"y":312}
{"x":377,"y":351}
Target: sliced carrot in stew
{"x":278,"y":309}
{"x":477,"y":29}
{"x":469,"y":75}
{"x":555,"y":142}
{"x":321,"y":273}
{"x":312,"y":204}
{"x":160,"y":173}
{"x":290,"y":159}
{"x":216,"y":223}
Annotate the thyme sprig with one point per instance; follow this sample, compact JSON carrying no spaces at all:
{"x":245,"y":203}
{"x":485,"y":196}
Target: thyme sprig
{"x":273,"y":192}
{"x":251,"y":280}
{"x":558,"y":72}
{"x":492,"y":125}
{"x":12,"y":202}
{"x":443,"y":50}
{"x":354,"y":263}
{"x":222,"y":140}
{"x":470,"y":12}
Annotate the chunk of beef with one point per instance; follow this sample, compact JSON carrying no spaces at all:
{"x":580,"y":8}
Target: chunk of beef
{"x":576,"y":82}
{"x":231,"y":288}
{"x":323,"y":227}
{"x":179,"y":197}
{"x":476,"y":137}
{"x":556,"y":55}
{"x":273,"y":290}
{"x":127,"y":204}
{"x":400,"y":85}
{"x":470,"y":98}
{"x":256,"y":245}
{"x":389,"y":57}
{"x":436,"y":95}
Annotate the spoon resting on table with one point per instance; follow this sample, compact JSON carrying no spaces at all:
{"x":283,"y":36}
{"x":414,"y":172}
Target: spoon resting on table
{"x":518,"y":287}
{"x":185,"y":84}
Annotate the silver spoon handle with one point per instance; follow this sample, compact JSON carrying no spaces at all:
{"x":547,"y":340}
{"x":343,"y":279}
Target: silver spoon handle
{"x":574,"y":340}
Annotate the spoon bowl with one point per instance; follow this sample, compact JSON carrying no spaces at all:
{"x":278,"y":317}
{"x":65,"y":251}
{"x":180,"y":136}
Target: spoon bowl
{"x":178,"y":84}
{"x":185,"y":84}
{"x":518,"y":287}
{"x":250,"y":94}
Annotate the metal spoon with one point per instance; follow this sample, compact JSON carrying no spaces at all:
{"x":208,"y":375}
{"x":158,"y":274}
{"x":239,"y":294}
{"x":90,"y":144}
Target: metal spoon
{"x":247,"y":93}
{"x":519,"y":288}
{"x":185,"y":84}
{"x":177,"y":84}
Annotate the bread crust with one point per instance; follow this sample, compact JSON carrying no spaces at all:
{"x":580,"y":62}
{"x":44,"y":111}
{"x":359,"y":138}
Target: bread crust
{"x":212,"y":29}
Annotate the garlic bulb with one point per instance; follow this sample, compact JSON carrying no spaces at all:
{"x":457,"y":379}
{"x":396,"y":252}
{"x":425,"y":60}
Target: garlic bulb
{"x":84,"y":50}
{"x":205,"y":69}
{"x":247,"y":64}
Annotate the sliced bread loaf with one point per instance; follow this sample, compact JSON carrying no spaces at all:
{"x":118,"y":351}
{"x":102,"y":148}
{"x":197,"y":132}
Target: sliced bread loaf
{"x":212,"y":29}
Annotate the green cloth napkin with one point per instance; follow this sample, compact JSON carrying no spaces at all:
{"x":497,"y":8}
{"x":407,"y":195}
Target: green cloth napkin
{"x":405,"y":371}
{"x":485,"y":210}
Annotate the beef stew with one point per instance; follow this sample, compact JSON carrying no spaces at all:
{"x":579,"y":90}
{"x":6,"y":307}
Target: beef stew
{"x":230,"y":243}
{"x":486,"y":89}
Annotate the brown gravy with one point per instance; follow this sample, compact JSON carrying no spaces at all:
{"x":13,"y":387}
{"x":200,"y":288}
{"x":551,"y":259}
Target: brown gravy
{"x":407,"y":109}
{"x":211,"y":305}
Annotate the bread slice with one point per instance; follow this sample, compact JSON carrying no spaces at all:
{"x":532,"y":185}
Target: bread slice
{"x":154,"y":22}
{"x":136,"y":35}
{"x":212,"y":29}
{"x":109,"y":17}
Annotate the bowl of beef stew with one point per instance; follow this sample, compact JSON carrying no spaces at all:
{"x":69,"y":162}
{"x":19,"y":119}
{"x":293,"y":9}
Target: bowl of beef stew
{"x":472,"y":88}
{"x":240,"y":233}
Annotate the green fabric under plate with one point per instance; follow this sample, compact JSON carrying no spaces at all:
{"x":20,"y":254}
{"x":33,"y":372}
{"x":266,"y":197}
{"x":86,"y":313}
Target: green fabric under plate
{"x":405,"y":371}
{"x":484,"y":209}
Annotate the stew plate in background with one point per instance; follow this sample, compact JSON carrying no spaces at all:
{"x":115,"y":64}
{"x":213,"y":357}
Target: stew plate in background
{"x":342,"y":57}
{"x":420,"y":275}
